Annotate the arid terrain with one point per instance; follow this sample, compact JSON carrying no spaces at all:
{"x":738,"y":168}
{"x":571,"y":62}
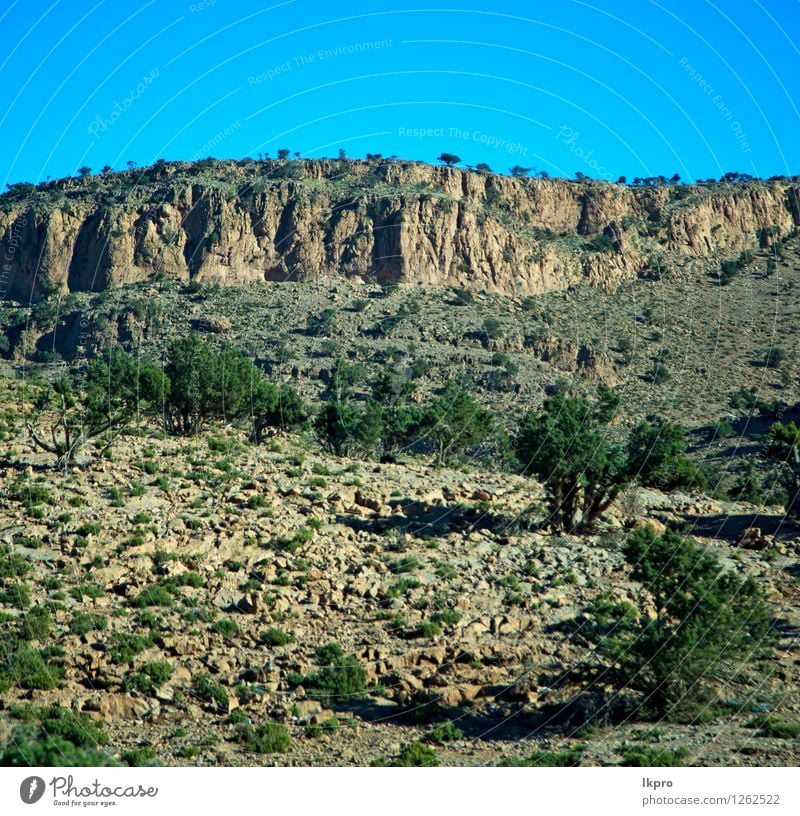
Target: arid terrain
{"x":186,"y":583}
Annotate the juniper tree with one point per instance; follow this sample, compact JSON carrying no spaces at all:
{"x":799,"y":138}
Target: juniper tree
{"x":69,"y":412}
{"x":568,"y":448}
{"x":783,"y":446}
{"x":704,"y":627}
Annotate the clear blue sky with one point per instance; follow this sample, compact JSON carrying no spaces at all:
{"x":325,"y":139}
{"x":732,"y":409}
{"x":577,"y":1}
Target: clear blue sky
{"x":607,"y":87}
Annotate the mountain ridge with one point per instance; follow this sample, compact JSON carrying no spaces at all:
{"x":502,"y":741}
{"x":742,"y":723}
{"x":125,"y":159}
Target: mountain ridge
{"x":234,"y":222}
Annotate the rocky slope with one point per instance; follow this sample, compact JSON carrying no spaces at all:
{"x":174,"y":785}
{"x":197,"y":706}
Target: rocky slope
{"x":236,"y":222}
{"x":235,"y":562}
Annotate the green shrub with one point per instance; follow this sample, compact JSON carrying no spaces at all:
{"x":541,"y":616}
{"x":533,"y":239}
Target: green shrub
{"x":226,"y":627}
{"x":12,"y":565}
{"x":36,"y":624}
{"x":209,"y":692}
{"x":445,"y":732}
{"x":427,"y":629}
{"x":54,"y":737}
{"x":276,"y":637}
{"x":154,"y":595}
{"x":646,"y":756}
{"x":416,"y":755}
{"x":29,"y":668}
{"x":16,"y":595}
{"x":570,"y":758}
{"x":268,"y":738}
{"x":772,"y":727}
{"x":707,"y":625}
{"x":82,"y":623}
{"x":139,"y":757}
{"x":125,"y":646}
{"x":340,"y":677}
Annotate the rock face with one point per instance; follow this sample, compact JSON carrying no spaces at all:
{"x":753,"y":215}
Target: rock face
{"x":237,"y":222}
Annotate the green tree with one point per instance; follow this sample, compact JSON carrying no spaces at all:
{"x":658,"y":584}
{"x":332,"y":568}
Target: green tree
{"x":708,"y":625}
{"x":399,"y":419}
{"x":206,"y":383}
{"x":656,"y":456}
{"x":343,"y":425}
{"x":747,"y":486}
{"x":273,"y":407}
{"x":455,"y":422}
{"x":449,"y":159}
{"x":783,"y":446}
{"x":567,"y":447}
{"x":70,"y":412}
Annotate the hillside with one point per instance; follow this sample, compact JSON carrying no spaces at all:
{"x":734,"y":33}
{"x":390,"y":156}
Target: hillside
{"x":232,"y":222}
{"x":178,"y":594}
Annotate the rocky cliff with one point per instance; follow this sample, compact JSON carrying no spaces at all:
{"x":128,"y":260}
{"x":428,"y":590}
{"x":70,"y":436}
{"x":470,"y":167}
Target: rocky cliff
{"x":234,"y":222}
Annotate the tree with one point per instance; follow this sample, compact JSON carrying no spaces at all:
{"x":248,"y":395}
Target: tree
{"x":482,"y":167}
{"x":115,"y":391}
{"x":84,"y":171}
{"x":706,"y":626}
{"x":399,"y":418}
{"x":783,"y":446}
{"x":518,"y":171}
{"x":622,"y":180}
{"x":324,"y":323}
{"x":747,"y":486}
{"x":449,"y":159}
{"x":568,"y":449}
{"x":455,"y":422}
{"x":656,"y":456}
{"x":342,"y":425}
{"x":273,"y":407}
{"x":206,"y":383}
{"x":345,"y":428}
{"x":283,"y":153}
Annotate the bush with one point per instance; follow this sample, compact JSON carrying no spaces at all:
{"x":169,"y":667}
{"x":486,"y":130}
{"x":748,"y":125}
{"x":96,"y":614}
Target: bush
{"x":548,"y":759}
{"x":783,"y":446}
{"x":775,"y":357}
{"x":659,"y":374}
{"x":454,"y":423}
{"x":154,"y":595}
{"x":656,"y":456}
{"x":416,"y":755}
{"x":268,"y":738}
{"x":36,"y":624}
{"x":445,"y":732}
{"x":645,"y":756}
{"x":340,"y":677}
{"x":747,"y":486}
{"x":29,"y":668}
{"x":708,"y":625}
{"x":139,"y":757}
{"x":54,"y":737}
{"x":276,"y":637}
{"x":82,"y":623}
{"x":209,"y":692}
{"x":777,"y":729}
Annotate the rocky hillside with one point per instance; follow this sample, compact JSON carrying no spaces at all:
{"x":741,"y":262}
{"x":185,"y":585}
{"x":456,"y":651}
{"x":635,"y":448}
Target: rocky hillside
{"x":236,"y":222}
{"x":180,"y":591}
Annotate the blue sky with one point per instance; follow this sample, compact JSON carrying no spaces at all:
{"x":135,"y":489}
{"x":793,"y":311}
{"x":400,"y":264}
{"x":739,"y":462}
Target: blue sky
{"x":606,"y":88}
